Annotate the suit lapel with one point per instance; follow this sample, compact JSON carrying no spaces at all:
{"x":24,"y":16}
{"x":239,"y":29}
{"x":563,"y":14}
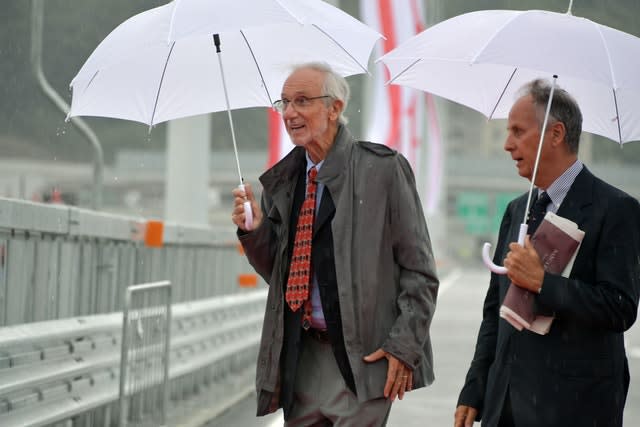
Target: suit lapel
{"x":281,"y":181}
{"x":325,"y":211}
{"x":578,"y":199}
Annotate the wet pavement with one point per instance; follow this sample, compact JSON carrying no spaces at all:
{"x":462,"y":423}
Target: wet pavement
{"x":454,"y":330}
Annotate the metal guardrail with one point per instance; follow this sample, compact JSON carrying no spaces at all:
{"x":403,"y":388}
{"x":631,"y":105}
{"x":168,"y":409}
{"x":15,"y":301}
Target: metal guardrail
{"x":63,"y":275}
{"x":67,"y":371}
{"x":59,"y":261}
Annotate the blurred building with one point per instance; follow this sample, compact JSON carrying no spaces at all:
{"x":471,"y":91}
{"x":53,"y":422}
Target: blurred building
{"x":44,"y":158}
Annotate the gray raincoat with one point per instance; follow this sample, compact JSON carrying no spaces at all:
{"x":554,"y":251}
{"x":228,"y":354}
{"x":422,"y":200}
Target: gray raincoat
{"x":387,"y":282}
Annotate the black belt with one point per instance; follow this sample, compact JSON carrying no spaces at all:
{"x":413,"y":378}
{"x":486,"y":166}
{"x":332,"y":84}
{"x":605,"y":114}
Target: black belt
{"x":320,"y":335}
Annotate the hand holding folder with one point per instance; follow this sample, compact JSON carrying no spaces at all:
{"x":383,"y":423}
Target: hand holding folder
{"x":556,"y":241}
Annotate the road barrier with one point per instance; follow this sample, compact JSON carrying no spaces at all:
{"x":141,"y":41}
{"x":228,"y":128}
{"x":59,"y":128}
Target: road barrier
{"x":64,"y":272}
{"x":69,"y":370}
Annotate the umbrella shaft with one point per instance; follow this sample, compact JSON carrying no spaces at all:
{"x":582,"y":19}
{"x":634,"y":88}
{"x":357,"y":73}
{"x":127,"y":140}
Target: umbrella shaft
{"x":542,"y":131}
{"x":216,"y":41}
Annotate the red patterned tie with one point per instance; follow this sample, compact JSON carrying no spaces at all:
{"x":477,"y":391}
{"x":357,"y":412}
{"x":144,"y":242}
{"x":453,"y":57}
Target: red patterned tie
{"x":300,"y":270}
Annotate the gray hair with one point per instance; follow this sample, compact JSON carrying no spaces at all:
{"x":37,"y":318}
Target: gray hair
{"x":564,"y":108}
{"x":335,"y":85}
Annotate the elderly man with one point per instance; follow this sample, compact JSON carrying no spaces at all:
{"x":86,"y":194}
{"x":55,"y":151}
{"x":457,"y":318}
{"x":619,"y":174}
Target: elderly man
{"x":577,"y":374}
{"x":341,"y":239}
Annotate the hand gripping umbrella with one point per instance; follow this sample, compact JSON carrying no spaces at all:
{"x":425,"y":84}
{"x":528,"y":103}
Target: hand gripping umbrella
{"x":159,"y":65}
{"x":481,"y":59}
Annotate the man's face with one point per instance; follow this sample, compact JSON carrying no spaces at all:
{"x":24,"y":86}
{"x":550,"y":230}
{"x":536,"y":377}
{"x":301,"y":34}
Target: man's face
{"x":523,"y":137}
{"x":311,"y":123}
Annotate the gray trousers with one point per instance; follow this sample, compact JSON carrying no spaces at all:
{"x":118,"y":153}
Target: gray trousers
{"x":322,"y":398}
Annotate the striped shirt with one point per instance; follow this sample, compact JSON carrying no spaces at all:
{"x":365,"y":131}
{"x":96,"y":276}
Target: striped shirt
{"x":558,"y":190}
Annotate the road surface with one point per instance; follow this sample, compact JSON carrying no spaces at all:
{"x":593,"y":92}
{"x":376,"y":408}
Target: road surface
{"x":454,"y":330}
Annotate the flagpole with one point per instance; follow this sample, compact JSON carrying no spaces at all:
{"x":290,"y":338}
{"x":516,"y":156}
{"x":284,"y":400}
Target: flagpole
{"x":368,"y":93}
{"x":433,"y":159}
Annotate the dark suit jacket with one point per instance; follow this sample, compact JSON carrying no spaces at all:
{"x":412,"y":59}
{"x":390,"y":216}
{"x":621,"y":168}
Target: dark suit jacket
{"x":577,"y":374}
{"x":323,"y":265}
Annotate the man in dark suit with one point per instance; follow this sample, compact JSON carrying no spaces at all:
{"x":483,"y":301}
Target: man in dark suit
{"x":577,"y":374}
{"x":364,"y":339}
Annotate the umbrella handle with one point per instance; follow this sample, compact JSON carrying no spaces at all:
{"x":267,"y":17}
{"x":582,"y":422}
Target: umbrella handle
{"x":248,"y":213}
{"x":486,"y":258}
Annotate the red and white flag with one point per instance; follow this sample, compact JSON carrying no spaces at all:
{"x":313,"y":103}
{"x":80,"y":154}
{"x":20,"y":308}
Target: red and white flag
{"x":395,"y":114}
{"x":279,"y":142}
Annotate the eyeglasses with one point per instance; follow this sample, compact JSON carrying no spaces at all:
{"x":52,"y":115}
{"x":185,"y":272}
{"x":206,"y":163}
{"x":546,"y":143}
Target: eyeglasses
{"x":299,"y":103}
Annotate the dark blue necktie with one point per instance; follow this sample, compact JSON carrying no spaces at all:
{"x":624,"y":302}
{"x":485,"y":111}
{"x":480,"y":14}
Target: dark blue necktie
{"x":537,"y":212}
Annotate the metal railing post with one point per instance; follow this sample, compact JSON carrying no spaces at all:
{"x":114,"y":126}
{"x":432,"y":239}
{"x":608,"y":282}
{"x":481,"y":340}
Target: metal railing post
{"x":146,"y":332}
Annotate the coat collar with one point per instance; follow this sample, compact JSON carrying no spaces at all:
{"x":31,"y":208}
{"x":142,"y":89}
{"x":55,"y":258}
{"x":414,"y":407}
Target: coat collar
{"x":286,"y":170}
{"x":280,"y":180}
{"x":337,"y":159}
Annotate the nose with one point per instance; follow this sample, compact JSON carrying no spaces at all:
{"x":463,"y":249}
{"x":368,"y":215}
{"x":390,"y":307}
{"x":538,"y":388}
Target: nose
{"x":289,"y":110}
{"x":508,"y":144}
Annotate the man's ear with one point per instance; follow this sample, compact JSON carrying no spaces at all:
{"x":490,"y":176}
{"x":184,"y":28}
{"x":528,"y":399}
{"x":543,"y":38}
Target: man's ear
{"x":558,"y":133}
{"x":336,"y":108}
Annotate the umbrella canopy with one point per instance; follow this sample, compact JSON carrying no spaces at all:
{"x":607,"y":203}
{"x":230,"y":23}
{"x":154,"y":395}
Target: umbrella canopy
{"x":480,"y":59}
{"x":162,"y":64}
{"x":169,"y":62}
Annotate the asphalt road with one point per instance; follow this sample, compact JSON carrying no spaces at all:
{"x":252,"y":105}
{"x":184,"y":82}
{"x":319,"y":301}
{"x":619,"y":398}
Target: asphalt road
{"x":454,"y":330}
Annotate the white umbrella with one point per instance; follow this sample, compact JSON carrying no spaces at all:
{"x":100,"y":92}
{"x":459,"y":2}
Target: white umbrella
{"x":170,"y":62}
{"x":481,"y":59}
